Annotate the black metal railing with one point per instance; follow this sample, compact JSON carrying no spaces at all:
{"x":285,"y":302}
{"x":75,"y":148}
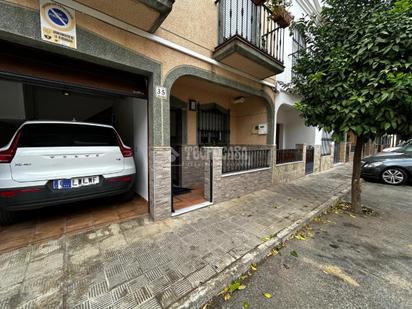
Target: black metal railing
{"x":288,"y":155}
{"x":238,"y":159}
{"x":252,"y":23}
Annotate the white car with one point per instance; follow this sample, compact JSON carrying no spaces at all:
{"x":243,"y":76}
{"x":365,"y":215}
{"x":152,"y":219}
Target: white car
{"x":54,"y":162}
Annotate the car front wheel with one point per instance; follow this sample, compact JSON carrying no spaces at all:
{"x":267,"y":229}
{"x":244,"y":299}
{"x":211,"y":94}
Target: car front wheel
{"x":394,"y":176}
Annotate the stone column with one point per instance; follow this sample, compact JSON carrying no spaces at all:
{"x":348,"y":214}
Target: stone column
{"x":317,"y":159}
{"x":213,"y":173}
{"x":160,"y":183}
{"x":342,"y":152}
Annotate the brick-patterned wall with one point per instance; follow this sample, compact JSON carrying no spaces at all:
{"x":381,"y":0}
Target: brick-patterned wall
{"x":316,"y":159}
{"x":287,"y":172}
{"x":235,"y":185}
{"x":228,"y":186}
{"x":193,"y":165}
{"x":326,"y":162}
{"x":342,"y":152}
{"x":160,"y":185}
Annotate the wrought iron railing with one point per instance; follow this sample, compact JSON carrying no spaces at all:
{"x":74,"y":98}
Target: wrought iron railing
{"x":244,"y":158}
{"x":252,"y":23}
{"x":288,"y":155}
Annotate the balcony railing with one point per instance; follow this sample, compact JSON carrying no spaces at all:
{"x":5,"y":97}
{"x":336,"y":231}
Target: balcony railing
{"x":288,"y":155}
{"x":244,"y":158}
{"x":253,"y":24}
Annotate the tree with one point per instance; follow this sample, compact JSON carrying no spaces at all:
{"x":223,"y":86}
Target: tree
{"x":355,"y":74}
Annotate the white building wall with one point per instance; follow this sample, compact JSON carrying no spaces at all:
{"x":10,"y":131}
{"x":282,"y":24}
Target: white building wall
{"x":294,"y":131}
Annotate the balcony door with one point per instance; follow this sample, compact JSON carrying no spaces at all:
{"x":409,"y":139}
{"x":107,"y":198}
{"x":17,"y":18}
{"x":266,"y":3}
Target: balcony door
{"x":241,"y":17}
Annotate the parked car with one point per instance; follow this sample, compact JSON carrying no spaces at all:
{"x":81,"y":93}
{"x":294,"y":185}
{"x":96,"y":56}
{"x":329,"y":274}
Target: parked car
{"x":394,"y":168}
{"x":398,"y":147}
{"x":52,"y":162}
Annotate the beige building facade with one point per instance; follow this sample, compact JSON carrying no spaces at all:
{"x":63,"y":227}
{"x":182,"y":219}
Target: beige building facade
{"x":198,"y":79}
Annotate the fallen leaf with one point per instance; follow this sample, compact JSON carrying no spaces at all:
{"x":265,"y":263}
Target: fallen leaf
{"x":353,"y":216}
{"x":241,"y":287}
{"x":266,"y":238}
{"x":226,"y":297}
{"x":253,"y":266}
{"x":234,"y":286}
{"x":294,"y":253}
{"x":300,"y":237}
{"x":205,"y":306}
{"x":267,"y":295}
{"x":246,"y":305}
{"x":274,"y":252}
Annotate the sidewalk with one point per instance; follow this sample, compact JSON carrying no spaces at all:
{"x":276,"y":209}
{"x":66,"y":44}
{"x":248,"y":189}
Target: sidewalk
{"x":140,"y":264}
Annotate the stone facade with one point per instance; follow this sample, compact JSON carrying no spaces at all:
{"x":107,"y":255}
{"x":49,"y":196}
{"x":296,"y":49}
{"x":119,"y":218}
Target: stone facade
{"x":316,"y":159}
{"x":192,"y":166}
{"x":232,"y":185}
{"x":160,"y":183}
{"x":288,"y":171}
{"x":342,"y":152}
{"x":213,"y":173}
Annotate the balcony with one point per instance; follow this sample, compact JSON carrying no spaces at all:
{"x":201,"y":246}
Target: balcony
{"x":249,"y":40}
{"x":147,"y":15}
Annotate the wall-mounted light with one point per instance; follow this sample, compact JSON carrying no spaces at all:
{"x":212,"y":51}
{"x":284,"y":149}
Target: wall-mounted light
{"x":239,"y":100}
{"x":192,"y":105}
{"x":66,"y":93}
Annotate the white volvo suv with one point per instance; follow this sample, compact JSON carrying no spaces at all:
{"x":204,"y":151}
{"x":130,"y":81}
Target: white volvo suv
{"x":53,"y":162}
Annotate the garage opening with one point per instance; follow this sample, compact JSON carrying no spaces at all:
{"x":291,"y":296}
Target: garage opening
{"x":36,"y":85}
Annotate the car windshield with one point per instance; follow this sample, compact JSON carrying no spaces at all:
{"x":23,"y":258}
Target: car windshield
{"x":66,"y":135}
{"x":407,"y":148}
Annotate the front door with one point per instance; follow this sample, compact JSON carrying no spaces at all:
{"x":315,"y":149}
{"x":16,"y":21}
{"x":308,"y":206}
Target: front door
{"x":310,"y":156}
{"x":176,"y":143}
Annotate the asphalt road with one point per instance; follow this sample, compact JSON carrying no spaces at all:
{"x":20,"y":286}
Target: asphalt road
{"x":351,"y":262}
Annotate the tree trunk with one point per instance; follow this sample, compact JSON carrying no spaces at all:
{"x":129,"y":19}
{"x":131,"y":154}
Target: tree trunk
{"x":356,"y":185}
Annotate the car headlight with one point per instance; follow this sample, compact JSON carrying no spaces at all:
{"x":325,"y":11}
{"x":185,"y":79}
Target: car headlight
{"x":373,"y":164}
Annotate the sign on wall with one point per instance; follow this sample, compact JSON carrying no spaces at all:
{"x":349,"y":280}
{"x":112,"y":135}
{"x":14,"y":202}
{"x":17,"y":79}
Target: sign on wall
{"x":161,"y":92}
{"x":58,"y":24}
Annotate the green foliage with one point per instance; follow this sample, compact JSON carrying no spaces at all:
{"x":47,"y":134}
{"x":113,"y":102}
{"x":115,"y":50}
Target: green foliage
{"x":356,"y":73}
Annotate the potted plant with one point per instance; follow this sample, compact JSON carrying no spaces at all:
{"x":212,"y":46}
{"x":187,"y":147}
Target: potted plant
{"x":280,"y":14}
{"x":259,"y":2}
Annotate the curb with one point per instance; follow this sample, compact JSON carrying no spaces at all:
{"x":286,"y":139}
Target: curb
{"x":209,"y":289}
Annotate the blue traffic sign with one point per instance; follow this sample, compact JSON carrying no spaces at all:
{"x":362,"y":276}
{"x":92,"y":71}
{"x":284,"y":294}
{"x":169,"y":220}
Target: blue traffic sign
{"x":58,"y":17}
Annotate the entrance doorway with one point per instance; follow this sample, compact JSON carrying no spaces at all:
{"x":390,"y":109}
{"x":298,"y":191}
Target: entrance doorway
{"x":37,"y":85}
{"x":310,"y":156}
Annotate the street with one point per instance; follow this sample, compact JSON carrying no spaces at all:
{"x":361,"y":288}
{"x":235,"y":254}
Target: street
{"x":351,"y":261}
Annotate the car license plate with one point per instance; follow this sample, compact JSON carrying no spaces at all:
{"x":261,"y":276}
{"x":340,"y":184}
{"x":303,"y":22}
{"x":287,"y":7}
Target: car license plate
{"x":75,"y":182}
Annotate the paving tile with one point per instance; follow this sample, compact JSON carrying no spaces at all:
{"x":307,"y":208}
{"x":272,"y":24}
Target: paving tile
{"x":181,"y":287}
{"x":141,"y":295}
{"x":139,"y":264}
{"x":150,"y":304}
{"x":166,"y":297}
{"x":201,"y":275}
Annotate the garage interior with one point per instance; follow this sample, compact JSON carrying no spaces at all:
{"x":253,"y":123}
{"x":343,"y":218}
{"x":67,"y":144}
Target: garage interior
{"x":36,"y":85}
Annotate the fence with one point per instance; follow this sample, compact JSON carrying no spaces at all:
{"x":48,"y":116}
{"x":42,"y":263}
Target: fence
{"x":237,"y":159}
{"x":288,"y":155}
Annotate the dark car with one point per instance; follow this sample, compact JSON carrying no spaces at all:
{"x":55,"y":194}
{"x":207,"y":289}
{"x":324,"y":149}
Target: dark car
{"x":394,"y":168}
